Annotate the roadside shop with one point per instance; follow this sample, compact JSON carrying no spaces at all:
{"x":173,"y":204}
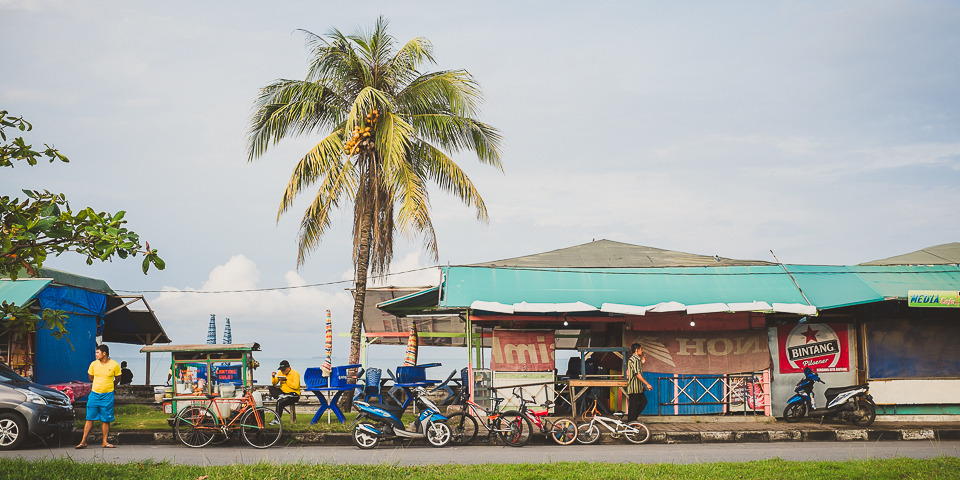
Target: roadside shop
{"x":721,"y":335}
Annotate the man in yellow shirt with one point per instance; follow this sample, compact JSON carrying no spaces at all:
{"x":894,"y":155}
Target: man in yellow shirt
{"x":105,"y":375}
{"x":288,"y":393}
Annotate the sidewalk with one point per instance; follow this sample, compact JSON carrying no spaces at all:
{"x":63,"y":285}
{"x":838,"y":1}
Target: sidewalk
{"x":699,"y":429}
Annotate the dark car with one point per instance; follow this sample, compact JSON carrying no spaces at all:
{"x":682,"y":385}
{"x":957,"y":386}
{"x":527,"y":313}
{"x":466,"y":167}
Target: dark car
{"x":29,"y":409}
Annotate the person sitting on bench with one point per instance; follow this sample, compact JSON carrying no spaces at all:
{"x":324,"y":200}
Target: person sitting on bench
{"x":288,"y":393}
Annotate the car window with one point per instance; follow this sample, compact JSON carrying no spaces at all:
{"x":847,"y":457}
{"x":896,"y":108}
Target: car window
{"x":9,"y":376}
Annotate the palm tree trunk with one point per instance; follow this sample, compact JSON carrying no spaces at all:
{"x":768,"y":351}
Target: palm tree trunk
{"x":360,"y":291}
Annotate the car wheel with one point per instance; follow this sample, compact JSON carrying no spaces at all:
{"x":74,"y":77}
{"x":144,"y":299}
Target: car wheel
{"x":13,"y":431}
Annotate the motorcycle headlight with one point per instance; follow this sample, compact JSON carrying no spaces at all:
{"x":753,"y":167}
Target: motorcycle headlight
{"x":34,"y":398}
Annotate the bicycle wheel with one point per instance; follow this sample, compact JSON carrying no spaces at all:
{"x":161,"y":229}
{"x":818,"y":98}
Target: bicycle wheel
{"x":564,"y":431}
{"x":637,"y":433}
{"x":463,"y":427}
{"x":514,"y":429}
{"x":588,"y":433}
{"x":261,"y":427}
{"x":195,"y":426}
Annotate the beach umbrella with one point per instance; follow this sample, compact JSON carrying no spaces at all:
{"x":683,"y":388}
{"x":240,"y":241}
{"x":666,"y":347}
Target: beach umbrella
{"x":410,"y":359}
{"x":328,"y":346}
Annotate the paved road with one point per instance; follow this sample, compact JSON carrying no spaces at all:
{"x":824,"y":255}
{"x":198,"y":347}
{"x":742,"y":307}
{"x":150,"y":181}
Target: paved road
{"x":417,"y":455}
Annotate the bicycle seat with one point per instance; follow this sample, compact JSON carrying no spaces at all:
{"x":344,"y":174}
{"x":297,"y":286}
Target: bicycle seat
{"x":496,"y":401}
{"x":210,"y":396}
{"x":618,"y":414}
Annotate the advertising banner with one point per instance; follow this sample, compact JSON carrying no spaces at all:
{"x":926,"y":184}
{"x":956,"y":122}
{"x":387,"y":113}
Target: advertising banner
{"x":933,"y":298}
{"x":706,"y":353}
{"x":523,"y":351}
{"x":824,"y":347}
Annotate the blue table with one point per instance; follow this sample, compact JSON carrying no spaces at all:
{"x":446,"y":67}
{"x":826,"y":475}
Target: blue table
{"x":332,"y":404}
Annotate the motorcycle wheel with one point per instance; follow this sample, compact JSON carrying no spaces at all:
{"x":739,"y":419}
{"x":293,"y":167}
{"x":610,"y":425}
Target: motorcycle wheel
{"x":438,"y":434}
{"x":864,"y":414}
{"x":794,"y":412}
{"x":363,"y":438}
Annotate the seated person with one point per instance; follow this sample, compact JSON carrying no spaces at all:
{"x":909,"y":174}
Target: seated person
{"x":288,"y":391}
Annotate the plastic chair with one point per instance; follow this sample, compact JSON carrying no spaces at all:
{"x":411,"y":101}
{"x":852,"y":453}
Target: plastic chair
{"x":394,"y":389}
{"x":372,"y":386}
{"x":445,"y":386}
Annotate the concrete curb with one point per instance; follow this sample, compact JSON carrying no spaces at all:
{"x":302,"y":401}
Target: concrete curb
{"x":667,"y":437}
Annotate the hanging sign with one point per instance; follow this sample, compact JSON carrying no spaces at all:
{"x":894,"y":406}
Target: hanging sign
{"x":523,"y":351}
{"x":933,"y":298}
{"x":824,"y":347}
{"x":713,"y":353}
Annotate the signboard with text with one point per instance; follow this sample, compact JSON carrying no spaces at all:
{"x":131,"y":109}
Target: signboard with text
{"x":824,"y":347}
{"x":933,"y":298}
{"x":523,"y":351}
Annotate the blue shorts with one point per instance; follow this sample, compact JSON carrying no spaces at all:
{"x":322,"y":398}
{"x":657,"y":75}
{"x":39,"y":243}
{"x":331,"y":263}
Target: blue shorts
{"x":100,"y":407}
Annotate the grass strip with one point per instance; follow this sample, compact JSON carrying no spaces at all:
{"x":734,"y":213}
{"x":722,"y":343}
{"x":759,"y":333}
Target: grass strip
{"x":899,"y":468}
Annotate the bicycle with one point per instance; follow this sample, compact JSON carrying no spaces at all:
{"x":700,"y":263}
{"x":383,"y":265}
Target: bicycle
{"x":507,"y":427}
{"x":634,"y":432}
{"x":594,"y":410}
{"x":562,"y":431}
{"x":197,"y":425}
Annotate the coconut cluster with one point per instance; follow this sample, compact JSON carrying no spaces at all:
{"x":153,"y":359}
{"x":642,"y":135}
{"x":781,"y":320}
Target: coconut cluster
{"x":361,"y":135}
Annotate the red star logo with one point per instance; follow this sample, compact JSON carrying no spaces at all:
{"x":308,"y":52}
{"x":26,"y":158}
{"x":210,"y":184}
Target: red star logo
{"x":810,"y":334}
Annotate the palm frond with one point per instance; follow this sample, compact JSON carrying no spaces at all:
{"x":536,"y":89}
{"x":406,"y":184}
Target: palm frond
{"x":290,"y":108}
{"x":324,"y":160}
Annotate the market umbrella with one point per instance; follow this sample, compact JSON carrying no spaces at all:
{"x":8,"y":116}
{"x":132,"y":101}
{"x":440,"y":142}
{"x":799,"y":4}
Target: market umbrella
{"x":328,"y":346}
{"x":410,"y":359}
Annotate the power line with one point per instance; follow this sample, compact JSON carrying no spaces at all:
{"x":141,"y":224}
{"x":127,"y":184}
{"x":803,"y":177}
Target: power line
{"x":272,"y":288}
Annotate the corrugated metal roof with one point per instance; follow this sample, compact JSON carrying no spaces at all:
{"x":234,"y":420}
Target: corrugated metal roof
{"x":946,"y":254}
{"x":21,"y":291}
{"x":611,"y":254}
{"x":649,"y":289}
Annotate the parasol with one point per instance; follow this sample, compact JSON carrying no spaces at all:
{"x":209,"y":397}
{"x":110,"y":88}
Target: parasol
{"x":328,"y":346}
{"x":410,"y":358}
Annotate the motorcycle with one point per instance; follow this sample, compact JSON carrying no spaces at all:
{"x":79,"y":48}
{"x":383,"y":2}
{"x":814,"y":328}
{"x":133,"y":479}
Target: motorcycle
{"x":852,"y":403}
{"x":377,"y":422}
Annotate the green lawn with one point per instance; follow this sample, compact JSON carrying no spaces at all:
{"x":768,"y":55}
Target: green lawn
{"x":940,"y":468}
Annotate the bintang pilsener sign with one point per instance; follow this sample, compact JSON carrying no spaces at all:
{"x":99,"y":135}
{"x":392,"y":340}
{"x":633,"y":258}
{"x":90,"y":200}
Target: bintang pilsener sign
{"x":933,"y":298}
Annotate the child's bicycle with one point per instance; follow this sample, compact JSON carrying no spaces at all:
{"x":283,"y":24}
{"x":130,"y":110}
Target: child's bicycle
{"x":197,"y":425}
{"x":635,"y":432}
{"x":508,"y":427}
{"x":562,"y":431}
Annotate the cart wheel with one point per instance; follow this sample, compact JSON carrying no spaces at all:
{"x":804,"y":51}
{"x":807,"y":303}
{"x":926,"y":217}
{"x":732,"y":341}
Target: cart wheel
{"x":195,"y":427}
{"x":261,"y":427}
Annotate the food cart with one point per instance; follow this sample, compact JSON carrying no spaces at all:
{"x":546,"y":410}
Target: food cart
{"x":225,"y":370}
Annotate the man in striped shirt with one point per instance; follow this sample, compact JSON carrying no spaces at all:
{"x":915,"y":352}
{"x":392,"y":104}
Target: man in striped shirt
{"x":636,"y":384}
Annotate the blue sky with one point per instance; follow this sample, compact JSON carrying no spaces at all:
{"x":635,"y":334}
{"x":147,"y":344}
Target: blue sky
{"x":827,"y":132}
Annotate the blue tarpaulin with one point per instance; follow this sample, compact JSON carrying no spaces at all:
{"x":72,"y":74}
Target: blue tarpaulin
{"x":58,"y":361}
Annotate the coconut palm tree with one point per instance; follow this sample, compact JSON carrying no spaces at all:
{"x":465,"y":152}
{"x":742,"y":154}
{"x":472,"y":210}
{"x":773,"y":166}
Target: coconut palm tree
{"x":388,"y":131}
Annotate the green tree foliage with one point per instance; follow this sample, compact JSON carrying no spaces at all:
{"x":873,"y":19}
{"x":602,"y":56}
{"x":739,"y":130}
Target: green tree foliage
{"x":43,"y":225}
{"x":387,"y":132}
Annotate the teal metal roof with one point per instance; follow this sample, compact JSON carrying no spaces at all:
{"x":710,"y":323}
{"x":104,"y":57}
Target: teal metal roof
{"x":22,"y":291}
{"x":628,"y":286}
{"x":825,"y":287}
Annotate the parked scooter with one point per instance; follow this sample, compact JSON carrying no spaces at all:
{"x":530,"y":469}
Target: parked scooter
{"x":852,"y":403}
{"x":382,"y":422}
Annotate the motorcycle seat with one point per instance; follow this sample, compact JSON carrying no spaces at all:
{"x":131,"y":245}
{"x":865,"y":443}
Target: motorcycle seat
{"x":832,"y":393}
{"x":393,"y":409}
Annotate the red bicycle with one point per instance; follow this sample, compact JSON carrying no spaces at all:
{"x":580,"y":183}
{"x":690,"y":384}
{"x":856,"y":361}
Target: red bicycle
{"x":562,"y":430}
